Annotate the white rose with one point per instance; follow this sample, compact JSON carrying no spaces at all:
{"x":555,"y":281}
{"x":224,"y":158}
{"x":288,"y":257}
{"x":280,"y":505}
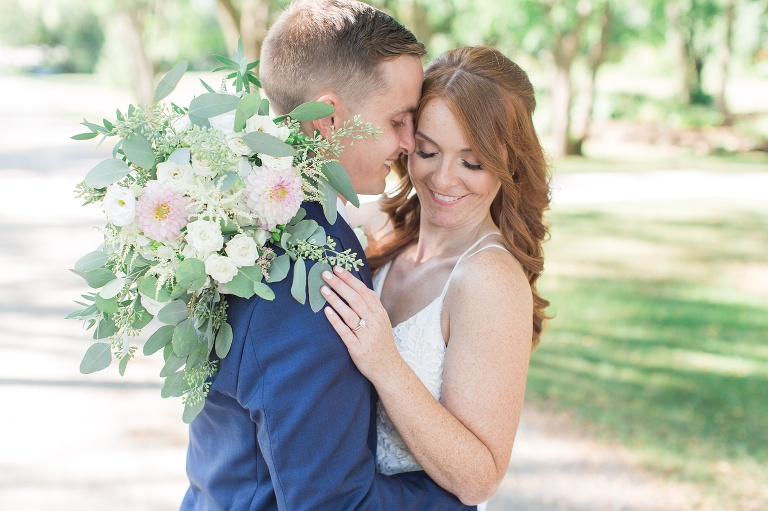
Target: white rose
{"x":204,"y":236}
{"x":238,"y":146}
{"x":182,"y":124}
{"x":221,"y":268}
{"x":283,"y":132}
{"x":224,"y":122}
{"x":242,"y":250}
{"x":202,"y":168}
{"x":261,"y":236}
{"x":120,"y":205}
{"x":276,"y":162}
{"x":152,"y":305}
{"x":177,"y":175}
{"x":263,"y":123}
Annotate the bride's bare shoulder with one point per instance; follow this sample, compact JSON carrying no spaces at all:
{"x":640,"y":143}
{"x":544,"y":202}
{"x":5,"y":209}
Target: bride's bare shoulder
{"x":370,"y":218}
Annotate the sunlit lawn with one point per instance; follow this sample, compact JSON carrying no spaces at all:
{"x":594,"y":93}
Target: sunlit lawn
{"x":660,"y":337}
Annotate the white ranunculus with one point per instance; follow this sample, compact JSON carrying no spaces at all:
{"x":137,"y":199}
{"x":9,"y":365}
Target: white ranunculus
{"x":120,"y":205}
{"x":260,"y":237}
{"x":263,"y":123}
{"x":276,"y":162}
{"x":238,"y":146}
{"x":283,"y":132}
{"x":220,"y":268}
{"x":177,"y":175}
{"x":152,"y":305}
{"x":224,"y":122}
{"x":182,"y":124}
{"x":202,"y":168}
{"x":242,"y":250}
{"x":205,"y":236}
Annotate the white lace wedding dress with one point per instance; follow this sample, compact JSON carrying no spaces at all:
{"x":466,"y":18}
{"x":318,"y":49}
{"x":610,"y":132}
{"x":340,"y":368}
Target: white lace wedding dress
{"x":420,"y":342}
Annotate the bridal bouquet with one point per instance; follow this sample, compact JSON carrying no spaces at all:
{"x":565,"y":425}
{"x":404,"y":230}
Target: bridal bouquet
{"x":199,"y":201}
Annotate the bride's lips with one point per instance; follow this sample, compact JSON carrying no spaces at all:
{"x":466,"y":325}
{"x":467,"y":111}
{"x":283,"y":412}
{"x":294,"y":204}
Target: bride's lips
{"x":446,"y":200}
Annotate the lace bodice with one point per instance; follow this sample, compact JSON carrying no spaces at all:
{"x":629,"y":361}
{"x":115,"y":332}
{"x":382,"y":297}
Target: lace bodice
{"x":420,"y":342}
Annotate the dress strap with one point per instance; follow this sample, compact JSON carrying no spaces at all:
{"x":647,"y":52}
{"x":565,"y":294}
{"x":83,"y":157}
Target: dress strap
{"x":465,"y":256}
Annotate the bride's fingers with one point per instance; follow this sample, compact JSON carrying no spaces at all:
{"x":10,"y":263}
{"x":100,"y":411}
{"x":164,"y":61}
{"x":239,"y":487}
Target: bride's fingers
{"x":350,"y":317}
{"x":350,"y":295}
{"x":347,"y":336}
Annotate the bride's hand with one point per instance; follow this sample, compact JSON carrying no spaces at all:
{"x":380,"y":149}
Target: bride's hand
{"x":371,"y":345}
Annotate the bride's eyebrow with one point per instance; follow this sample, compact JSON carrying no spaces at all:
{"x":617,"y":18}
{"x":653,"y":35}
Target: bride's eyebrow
{"x":422,"y":135}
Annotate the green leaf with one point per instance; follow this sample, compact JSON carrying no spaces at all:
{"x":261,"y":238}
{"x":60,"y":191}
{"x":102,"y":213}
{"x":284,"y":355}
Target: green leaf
{"x":91,"y":261}
{"x":208,"y":87}
{"x":139,"y":151}
{"x":123,"y":364}
{"x":148,"y":287}
{"x":175,"y":385}
{"x":278,"y":270}
{"x":108,"y":125}
{"x":170,"y":80}
{"x":97,"y":278}
{"x":191,"y":274}
{"x":318,"y":236}
{"x":159,"y":339}
{"x":224,"y":340}
{"x":330,"y":202}
{"x":315,"y":282}
{"x":198,"y":355}
{"x":264,"y":291}
{"x":107,"y":306}
{"x":311,"y":111}
{"x":173,"y":313}
{"x":191,"y":411}
{"x":96,"y":358}
{"x":243,"y":284}
{"x":106,"y":173}
{"x":210,"y":105}
{"x":105,"y":328}
{"x":300,"y":215}
{"x":264,"y":107}
{"x":228,"y":62}
{"x":299,"y":286}
{"x":85,"y":136}
{"x":172,"y":363}
{"x":247,"y":107}
{"x":339,"y":179}
{"x":143,"y":317}
{"x":113,"y":288}
{"x":264,"y":143}
{"x":185,"y":338}
{"x":303,"y":229}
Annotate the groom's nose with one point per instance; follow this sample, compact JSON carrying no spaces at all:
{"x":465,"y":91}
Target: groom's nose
{"x":408,"y":137}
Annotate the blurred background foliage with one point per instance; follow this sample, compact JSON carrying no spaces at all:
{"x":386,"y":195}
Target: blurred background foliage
{"x":671,"y":62}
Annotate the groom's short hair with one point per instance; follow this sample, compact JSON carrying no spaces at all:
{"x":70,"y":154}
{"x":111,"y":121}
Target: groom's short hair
{"x":335,"y":45}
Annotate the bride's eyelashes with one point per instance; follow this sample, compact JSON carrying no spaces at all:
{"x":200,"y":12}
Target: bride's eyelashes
{"x":424,"y":154}
{"x":471,"y":166}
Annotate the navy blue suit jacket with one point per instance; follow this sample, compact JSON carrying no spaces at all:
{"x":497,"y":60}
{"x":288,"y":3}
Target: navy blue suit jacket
{"x":289,"y":422}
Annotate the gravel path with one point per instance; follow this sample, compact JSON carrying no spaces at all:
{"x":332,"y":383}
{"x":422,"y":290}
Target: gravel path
{"x":103,"y":442}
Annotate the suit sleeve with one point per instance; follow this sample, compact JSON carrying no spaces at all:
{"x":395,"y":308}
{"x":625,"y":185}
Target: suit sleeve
{"x":313,"y":412}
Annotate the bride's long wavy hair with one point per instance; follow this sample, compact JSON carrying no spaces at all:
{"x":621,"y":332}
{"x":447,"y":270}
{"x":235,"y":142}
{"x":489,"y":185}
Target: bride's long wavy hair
{"x":493,"y":101}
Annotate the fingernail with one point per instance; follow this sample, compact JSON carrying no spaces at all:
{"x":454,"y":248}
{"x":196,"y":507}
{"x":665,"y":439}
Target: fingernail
{"x":338,"y":269}
{"x":327,"y":275}
{"x":329,"y":311}
{"x":325,"y":290}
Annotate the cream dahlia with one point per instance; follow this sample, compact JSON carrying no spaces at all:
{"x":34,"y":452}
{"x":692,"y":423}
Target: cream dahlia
{"x":273,"y":194}
{"x":161,"y":212}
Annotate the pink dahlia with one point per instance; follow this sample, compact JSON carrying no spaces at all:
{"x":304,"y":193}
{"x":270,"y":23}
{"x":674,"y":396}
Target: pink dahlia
{"x":161,"y":212}
{"x":273,"y":194}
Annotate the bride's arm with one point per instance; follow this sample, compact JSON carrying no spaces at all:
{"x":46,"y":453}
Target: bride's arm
{"x":464,"y":441}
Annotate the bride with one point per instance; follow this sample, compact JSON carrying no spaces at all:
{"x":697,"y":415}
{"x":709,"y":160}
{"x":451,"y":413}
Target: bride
{"x":457,"y":265}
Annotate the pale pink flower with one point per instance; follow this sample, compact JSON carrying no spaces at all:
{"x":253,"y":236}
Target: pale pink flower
{"x":161,"y":212}
{"x":273,"y":194}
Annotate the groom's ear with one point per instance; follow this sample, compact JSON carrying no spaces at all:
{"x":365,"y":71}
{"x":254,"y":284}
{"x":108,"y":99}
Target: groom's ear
{"x":326,"y":124}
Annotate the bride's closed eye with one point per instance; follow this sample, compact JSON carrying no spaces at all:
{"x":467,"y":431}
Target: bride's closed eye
{"x":424,"y":154}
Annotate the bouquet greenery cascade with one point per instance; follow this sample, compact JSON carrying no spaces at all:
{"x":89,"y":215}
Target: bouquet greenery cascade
{"x":201,"y":202}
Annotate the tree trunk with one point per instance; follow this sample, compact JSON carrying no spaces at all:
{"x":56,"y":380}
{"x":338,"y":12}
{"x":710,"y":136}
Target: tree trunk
{"x":725,"y":57}
{"x":229,"y":20}
{"x":595,"y":60}
{"x":675,"y":33}
{"x":144,"y":70}
{"x":254,"y":20}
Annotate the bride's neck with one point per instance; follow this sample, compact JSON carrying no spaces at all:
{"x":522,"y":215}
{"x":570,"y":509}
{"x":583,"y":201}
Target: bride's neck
{"x":447,"y":242}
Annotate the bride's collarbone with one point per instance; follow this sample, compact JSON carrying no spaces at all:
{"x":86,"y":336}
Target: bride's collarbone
{"x":408,"y":288}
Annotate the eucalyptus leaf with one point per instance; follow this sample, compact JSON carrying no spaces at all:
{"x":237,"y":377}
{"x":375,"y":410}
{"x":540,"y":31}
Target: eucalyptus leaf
{"x":159,"y":339}
{"x":264,"y":291}
{"x":123,"y":364}
{"x":192,"y":410}
{"x":227,"y":180}
{"x":330,"y":202}
{"x":247,"y":107}
{"x":172,"y":363}
{"x":199,"y":121}
{"x":279,"y":268}
{"x":185,"y":338}
{"x":148,"y":287}
{"x":242,"y":284}
{"x":208,"y":87}
{"x":170,"y":80}
{"x":97,"y":278}
{"x":223,"y":340}
{"x":106,"y":305}
{"x":175,"y":385}
{"x":314,"y":283}
{"x":106,"y":173}
{"x":96,"y":358}
{"x":311,"y":111}
{"x":210,"y":105}
{"x":339,"y":179}
{"x":284,"y":239}
{"x":142,"y":319}
{"x":198,"y":355}
{"x":318,"y":236}
{"x":298,"y":217}
{"x":303,"y":229}
{"x":138,"y":150}
{"x":299,"y":285}
{"x":91,"y":261}
{"x":85,"y":136}
{"x":264,"y":107}
{"x":191,"y":274}
{"x":173,"y":313}
{"x":104,"y":329}
{"x":181,"y":155}
{"x":264,"y":143}
{"x":113,"y":288}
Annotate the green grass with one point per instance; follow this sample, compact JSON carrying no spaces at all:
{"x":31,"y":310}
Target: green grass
{"x":605,"y":159}
{"x":660,"y":337}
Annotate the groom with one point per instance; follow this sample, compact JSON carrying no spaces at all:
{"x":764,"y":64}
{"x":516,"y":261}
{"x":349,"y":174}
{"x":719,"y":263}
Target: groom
{"x":289,"y":422}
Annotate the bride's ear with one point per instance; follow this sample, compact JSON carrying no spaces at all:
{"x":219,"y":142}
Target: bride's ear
{"x":326,"y":124}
